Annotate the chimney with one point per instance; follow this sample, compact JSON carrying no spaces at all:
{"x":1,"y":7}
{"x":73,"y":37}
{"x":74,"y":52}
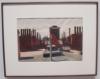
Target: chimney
{"x":32,"y":32}
{"x":29,"y":32}
{"x":39,"y":36}
{"x":35,"y":33}
{"x":75,"y":30}
{"x":80,"y":29}
{"x":18,"y":32}
{"x":25,"y":32}
{"x":69,"y":31}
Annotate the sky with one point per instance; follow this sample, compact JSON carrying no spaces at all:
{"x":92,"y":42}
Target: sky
{"x":42,"y":25}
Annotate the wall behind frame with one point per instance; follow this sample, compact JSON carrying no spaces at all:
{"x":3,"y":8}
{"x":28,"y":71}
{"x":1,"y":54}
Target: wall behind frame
{"x":79,"y":77}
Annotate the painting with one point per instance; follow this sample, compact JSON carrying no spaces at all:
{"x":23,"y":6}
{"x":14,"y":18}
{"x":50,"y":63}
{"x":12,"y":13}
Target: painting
{"x":50,"y":39}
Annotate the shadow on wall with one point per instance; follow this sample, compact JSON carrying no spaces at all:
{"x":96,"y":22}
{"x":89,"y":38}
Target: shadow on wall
{"x":74,"y":77}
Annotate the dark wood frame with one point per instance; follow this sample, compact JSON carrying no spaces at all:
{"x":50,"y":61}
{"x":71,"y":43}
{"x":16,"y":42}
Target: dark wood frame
{"x":49,"y":3}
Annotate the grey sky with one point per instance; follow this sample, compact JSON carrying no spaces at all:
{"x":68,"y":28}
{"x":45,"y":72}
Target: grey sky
{"x":42,"y":24}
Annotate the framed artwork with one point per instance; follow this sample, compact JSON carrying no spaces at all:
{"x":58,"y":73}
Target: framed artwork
{"x":50,"y":38}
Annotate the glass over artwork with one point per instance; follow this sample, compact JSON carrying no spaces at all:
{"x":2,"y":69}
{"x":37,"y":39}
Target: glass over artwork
{"x":50,"y":39}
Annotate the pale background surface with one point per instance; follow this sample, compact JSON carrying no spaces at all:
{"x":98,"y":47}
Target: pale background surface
{"x":1,"y":57}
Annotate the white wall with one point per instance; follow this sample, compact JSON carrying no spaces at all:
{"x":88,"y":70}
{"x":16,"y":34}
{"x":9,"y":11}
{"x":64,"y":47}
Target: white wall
{"x":1,"y":53}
